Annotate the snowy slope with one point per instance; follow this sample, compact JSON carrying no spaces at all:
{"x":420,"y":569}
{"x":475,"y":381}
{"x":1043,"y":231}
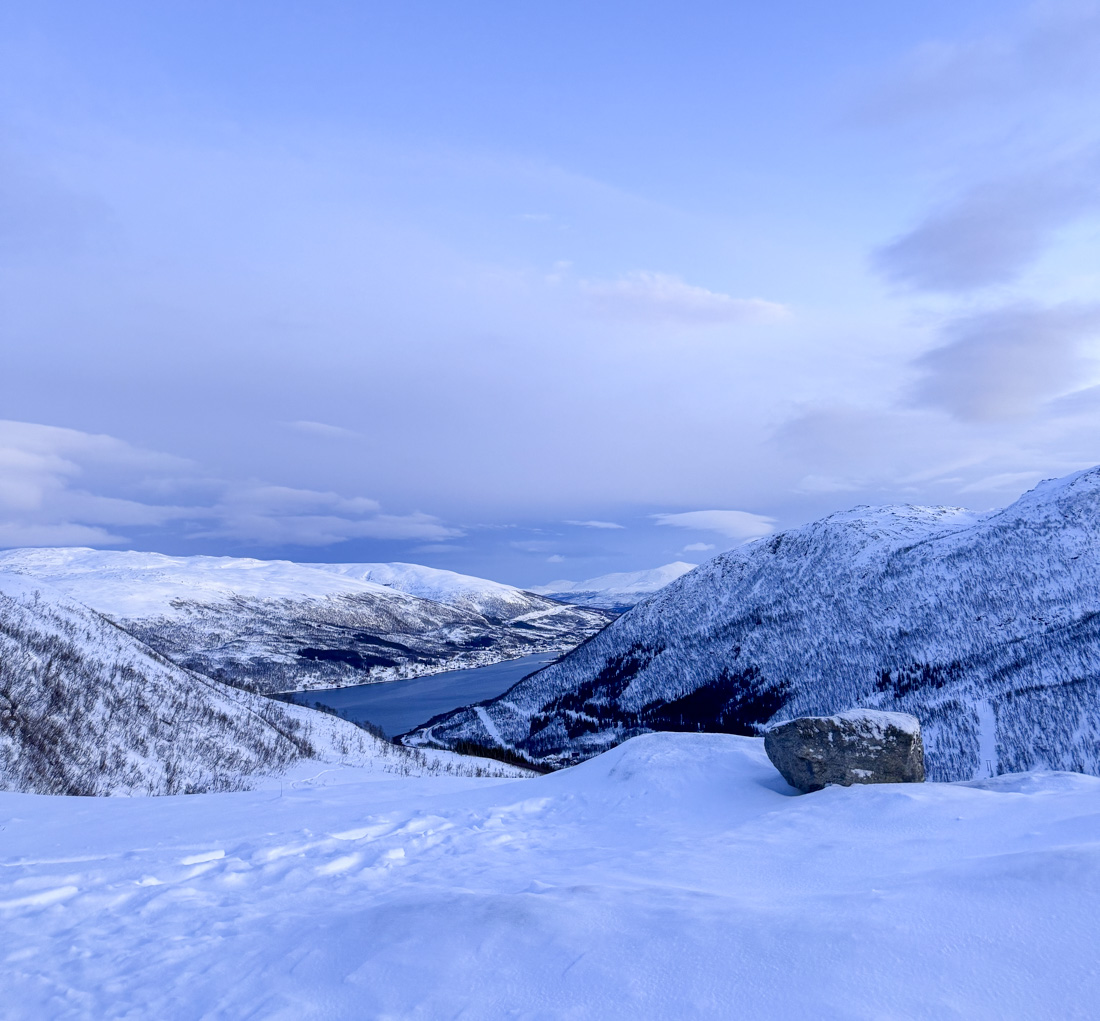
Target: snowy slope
{"x":489,"y":598}
{"x":87,"y":709}
{"x":674,"y":877}
{"x":985,"y":627}
{"x":616,"y":592}
{"x":277,"y":626}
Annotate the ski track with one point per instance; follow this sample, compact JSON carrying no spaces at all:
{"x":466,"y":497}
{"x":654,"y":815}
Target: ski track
{"x":987,"y":740}
{"x":490,"y":727}
{"x":673,"y":877}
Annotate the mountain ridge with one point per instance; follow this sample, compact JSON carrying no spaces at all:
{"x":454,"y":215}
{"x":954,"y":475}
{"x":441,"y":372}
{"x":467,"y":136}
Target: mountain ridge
{"x":274,"y":626}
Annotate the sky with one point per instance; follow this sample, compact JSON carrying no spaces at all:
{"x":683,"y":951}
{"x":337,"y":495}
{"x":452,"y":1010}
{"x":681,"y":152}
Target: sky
{"x":538,"y":291}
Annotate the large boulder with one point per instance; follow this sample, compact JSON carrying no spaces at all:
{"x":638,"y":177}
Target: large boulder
{"x":859,"y":746}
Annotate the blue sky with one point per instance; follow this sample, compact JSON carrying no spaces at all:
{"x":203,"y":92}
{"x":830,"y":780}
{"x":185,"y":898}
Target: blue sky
{"x":450,"y":283}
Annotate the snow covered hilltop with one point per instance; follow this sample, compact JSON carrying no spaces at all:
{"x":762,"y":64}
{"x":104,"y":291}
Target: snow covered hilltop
{"x":984,"y":626}
{"x":273,"y":625}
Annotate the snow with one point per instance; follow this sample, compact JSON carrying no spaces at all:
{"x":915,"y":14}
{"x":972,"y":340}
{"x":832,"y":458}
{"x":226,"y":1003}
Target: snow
{"x":880,"y":721}
{"x":426,"y":582}
{"x":987,"y":739}
{"x":133,"y":585}
{"x":675,"y":876}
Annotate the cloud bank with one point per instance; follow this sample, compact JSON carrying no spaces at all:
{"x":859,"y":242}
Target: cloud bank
{"x":63,"y":487}
{"x":733,"y":524}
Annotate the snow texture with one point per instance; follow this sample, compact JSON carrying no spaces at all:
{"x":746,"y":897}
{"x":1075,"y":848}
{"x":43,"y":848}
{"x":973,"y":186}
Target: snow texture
{"x":985,"y":627}
{"x":272,"y":625}
{"x":674,"y":877}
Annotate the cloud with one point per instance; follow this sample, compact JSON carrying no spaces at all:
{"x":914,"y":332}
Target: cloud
{"x":64,"y":487}
{"x":1003,"y":364}
{"x":557,"y":558}
{"x":993,"y":230}
{"x":733,"y":524}
{"x":595,"y":524}
{"x":1051,"y":49}
{"x":323,"y":430}
{"x":1011,"y":482}
{"x":698,"y":547}
{"x":665,"y":298}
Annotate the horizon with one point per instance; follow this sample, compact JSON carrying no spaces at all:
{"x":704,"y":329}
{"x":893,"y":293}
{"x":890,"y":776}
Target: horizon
{"x":538,"y":295}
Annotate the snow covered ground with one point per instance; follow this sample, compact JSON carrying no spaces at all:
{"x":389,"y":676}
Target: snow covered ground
{"x":675,"y":876}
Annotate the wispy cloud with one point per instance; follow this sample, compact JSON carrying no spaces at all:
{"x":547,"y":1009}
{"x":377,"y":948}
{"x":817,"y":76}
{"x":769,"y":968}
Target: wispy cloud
{"x":698,"y":547}
{"x":662,"y":297}
{"x":65,"y":487}
{"x":323,"y":430}
{"x":733,"y":524}
{"x":994,"y":229}
{"x":1003,"y":364}
{"x":595,"y":524}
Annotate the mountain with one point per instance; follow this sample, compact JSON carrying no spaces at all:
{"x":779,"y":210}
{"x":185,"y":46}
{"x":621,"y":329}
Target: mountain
{"x":87,"y":709}
{"x":616,"y":592}
{"x":272,"y":625}
{"x":985,"y":626}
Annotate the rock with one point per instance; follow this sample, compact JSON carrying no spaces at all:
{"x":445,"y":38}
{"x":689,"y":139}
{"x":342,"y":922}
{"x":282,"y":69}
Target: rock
{"x":859,"y":746}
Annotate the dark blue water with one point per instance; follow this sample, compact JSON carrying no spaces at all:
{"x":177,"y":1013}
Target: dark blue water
{"x":398,"y":706}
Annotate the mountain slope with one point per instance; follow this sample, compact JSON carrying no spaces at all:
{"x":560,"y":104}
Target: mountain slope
{"x":617,"y":592}
{"x":987,"y":627}
{"x":87,"y":709}
{"x":276,"y":626}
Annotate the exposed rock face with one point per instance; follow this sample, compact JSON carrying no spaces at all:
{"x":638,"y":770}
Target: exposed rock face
{"x":859,"y":746}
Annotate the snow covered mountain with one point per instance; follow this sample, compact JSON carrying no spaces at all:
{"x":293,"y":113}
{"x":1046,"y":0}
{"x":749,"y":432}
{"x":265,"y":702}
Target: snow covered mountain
{"x":616,"y":592}
{"x":85,"y":709}
{"x":277,"y":626}
{"x":986,"y":627}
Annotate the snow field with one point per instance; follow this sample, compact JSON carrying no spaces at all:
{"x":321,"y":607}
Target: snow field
{"x":675,"y":876}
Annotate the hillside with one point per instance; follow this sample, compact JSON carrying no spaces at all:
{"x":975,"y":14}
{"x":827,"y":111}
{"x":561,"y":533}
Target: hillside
{"x":616,"y":592}
{"x":987,"y":627}
{"x":273,"y":626}
{"x":87,"y":709}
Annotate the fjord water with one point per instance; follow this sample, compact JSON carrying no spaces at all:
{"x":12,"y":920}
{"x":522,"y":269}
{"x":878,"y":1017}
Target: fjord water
{"x":398,"y":706}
